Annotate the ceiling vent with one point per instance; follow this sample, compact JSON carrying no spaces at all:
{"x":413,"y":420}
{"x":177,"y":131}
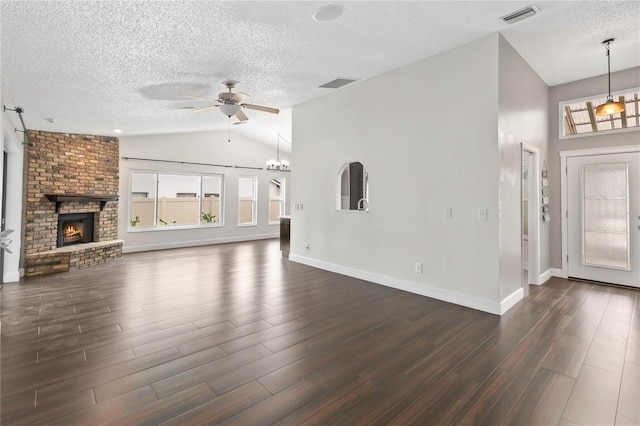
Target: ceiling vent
{"x":338,"y":83}
{"x":521,"y":14}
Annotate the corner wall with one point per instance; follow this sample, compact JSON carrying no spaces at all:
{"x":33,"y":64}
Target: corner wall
{"x":427,"y":135}
{"x":523,"y":117}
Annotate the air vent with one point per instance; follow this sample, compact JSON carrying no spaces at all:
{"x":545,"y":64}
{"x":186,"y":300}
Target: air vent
{"x":338,"y":83}
{"x":521,"y":14}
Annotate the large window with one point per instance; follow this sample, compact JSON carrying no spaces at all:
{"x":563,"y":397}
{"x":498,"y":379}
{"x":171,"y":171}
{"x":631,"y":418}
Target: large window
{"x":276,"y":200}
{"x":247,"y":201}
{"x":160,"y":200}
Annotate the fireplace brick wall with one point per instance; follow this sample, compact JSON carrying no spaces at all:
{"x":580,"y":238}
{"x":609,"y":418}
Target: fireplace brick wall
{"x":62,"y":163}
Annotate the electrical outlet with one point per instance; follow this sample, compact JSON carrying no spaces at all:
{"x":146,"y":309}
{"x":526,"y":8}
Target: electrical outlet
{"x":307,"y":246}
{"x":448,"y":213}
{"x":418,"y":267}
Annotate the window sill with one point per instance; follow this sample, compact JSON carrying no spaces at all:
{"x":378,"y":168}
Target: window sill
{"x":170,"y":228}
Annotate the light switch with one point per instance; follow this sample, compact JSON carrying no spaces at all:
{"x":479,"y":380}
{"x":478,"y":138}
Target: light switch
{"x":483,"y":214}
{"x":448,"y":213}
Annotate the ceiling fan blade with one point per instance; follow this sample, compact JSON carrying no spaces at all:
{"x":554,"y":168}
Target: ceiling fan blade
{"x":241,"y":116}
{"x":239,"y":97}
{"x":262,"y":108}
{"x":204,"y":108}
{"x":198,"y":97}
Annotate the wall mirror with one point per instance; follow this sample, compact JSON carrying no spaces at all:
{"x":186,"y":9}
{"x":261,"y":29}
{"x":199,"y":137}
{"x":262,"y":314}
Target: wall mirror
{"x":353,"y":187}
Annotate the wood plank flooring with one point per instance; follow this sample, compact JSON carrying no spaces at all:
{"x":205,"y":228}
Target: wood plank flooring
{"x":236,"y":334}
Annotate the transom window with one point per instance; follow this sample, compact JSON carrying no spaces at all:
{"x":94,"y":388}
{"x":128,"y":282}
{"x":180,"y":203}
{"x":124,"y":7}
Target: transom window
{"x":579,"y":116}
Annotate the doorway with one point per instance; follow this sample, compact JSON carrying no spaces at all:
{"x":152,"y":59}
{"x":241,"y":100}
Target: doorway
{"x":530,"y":205}
{"x":525,"y":222}
{"x":601,"y":215}
{"x":4,"y":211}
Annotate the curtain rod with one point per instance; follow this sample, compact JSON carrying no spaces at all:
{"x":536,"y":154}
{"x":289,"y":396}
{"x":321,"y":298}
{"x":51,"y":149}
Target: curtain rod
{"x":192,"y":163}
{"x":20,"y":110}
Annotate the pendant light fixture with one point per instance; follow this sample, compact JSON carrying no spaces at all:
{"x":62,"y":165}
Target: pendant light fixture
{"x":277,"y":165}
{"x":609,"y":107}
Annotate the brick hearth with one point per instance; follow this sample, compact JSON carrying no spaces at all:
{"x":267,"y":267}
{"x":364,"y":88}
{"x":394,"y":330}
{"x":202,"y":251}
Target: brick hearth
{"x":61,"y":163}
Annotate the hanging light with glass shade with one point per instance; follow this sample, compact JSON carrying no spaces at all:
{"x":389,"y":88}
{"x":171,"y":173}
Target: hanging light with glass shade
{"x":609,"y":107}
{"x":277,"y":165}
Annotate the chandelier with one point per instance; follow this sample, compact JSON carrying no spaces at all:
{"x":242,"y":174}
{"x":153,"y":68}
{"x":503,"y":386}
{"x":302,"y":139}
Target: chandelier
{"x":277,"y":165}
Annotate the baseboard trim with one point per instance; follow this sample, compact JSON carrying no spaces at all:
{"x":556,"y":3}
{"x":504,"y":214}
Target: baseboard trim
{"x":408,"y":286}
{"x":196,"y":243}
{"x":509,"y":301}
{"x":551,"y":272}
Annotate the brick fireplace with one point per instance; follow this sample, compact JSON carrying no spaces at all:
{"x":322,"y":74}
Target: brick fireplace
{"x":76,"y":175}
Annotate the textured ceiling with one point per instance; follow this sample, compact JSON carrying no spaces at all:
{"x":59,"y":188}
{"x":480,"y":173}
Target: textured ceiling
{"x":99,"y":65}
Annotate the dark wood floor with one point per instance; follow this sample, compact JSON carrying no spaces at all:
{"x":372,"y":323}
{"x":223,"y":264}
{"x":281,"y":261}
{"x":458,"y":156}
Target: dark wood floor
{"x":235,"y":334}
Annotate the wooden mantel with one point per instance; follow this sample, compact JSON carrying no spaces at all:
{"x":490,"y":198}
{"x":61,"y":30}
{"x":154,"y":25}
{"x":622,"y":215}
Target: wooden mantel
{"x":61,"y":198}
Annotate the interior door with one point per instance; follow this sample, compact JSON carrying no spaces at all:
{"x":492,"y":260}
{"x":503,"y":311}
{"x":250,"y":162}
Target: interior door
{"x":603,"y":218}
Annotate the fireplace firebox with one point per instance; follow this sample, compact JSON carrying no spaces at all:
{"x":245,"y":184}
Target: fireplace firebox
{"x":75,"y":228}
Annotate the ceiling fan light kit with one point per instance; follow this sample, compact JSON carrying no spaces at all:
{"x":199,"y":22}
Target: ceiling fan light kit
{"x":229,"y":109}
{"x":610,"y":106}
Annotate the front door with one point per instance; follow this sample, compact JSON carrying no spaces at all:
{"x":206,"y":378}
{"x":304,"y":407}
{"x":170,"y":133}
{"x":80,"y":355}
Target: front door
{"x":603,"y":218}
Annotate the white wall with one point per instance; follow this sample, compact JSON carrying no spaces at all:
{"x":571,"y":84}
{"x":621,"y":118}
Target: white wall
{"x":11,"y":142}
{"x":202,"y":147}
{"x":427,"y":135}
{"x":591,"y":87}
{"x":523,"y":117}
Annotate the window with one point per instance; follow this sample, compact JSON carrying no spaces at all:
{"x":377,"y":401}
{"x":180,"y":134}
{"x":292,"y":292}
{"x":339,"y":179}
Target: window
{"x":177,"y":201}
{"x":161,"y":200}
{"x":211,"y":210}
{"x":579,"y":116}
{"x":247,"y":200}
{"x":276,"y":200}
{"x":143,"y":208}
{"x":353,"y":188}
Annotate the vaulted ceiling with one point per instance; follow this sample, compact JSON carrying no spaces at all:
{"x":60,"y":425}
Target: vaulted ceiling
{"x":92,"y":66}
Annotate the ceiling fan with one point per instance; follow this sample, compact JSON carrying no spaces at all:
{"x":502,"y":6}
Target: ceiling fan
{"x":231,"y":104}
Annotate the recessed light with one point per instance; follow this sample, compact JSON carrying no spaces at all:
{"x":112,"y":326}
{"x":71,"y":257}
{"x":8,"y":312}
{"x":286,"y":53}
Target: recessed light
{"x":328,"y":13}
{"x":51,"y":120}
{"x":117,"y":130}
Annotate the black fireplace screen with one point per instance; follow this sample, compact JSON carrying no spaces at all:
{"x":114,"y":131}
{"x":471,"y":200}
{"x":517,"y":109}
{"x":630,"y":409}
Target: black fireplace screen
{"x":75,"y":228}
